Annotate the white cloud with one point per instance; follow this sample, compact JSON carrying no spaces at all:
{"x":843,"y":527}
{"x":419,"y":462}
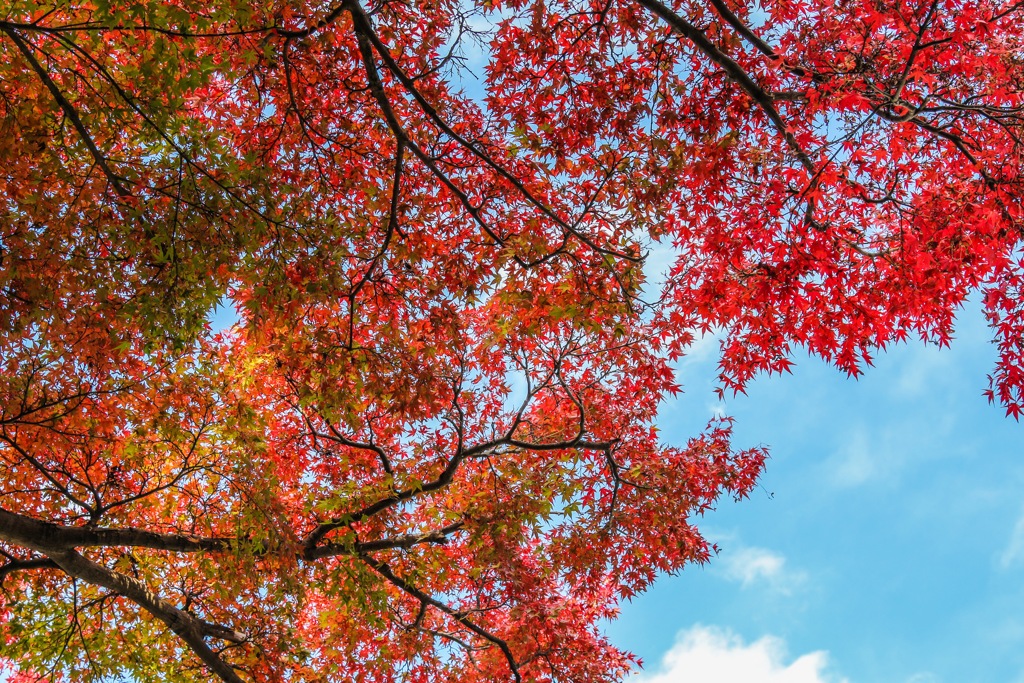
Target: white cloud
{"x":717,"y":410}
{"x":1013,"y":553}
{"x":881,"y":453}
{"x":747,"y":565}
{"x":705,"y":654}
{"x":750,"y":566}
{"x":856,"y":462}
{"x":704,"y":349}
{"x":925,"y":367}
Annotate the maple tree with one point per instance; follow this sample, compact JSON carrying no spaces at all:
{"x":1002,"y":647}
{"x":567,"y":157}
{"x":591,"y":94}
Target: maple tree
{"x":427,"y":450}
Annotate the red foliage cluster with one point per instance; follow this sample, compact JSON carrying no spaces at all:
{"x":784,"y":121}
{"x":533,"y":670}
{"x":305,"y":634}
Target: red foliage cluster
{"x":427,"y":450}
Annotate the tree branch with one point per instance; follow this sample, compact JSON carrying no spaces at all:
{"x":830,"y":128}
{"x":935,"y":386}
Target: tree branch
{"x":69,"y":111}
{"x":363,"y":24}
{"x":188,"y":627}
{"x":384,"y":570}
{"x":403,"y":542}
{"x":32,"y":533}
{"x":734,"y":71}
{"x":24,"y":565}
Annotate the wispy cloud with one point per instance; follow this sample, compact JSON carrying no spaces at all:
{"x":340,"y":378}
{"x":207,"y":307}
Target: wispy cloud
{"x":856,"y":462}
{"x":748,"y":565}
{"x":751,"y":566}
{"x":716,"y":410}
{"x":1013,"y":552}
{"x":921,"y":369}
{"x":706,"y":654}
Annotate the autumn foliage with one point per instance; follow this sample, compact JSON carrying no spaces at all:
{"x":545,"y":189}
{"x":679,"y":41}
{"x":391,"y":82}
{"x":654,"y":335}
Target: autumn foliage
{"x":427,"y":450}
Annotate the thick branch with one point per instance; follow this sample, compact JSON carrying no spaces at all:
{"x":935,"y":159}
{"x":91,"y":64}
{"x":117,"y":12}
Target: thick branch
{"x":185,"y":625}
{"x":741,"y":28}
{"x":734,"y":71}
{"x":32,"y":533}
{"x":58,"y":542}
{"x":69,"y":111}
{"x":25,"y":565}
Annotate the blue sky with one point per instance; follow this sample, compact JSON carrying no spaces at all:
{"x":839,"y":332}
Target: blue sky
{"x":887,"y":542}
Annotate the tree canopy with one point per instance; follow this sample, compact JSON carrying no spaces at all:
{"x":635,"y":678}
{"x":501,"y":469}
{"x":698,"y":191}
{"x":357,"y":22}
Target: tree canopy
{"x":428,"y":448}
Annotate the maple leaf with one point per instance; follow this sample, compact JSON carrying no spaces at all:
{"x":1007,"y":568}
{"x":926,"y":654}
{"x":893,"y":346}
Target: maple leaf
{"x":427,"y":449}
